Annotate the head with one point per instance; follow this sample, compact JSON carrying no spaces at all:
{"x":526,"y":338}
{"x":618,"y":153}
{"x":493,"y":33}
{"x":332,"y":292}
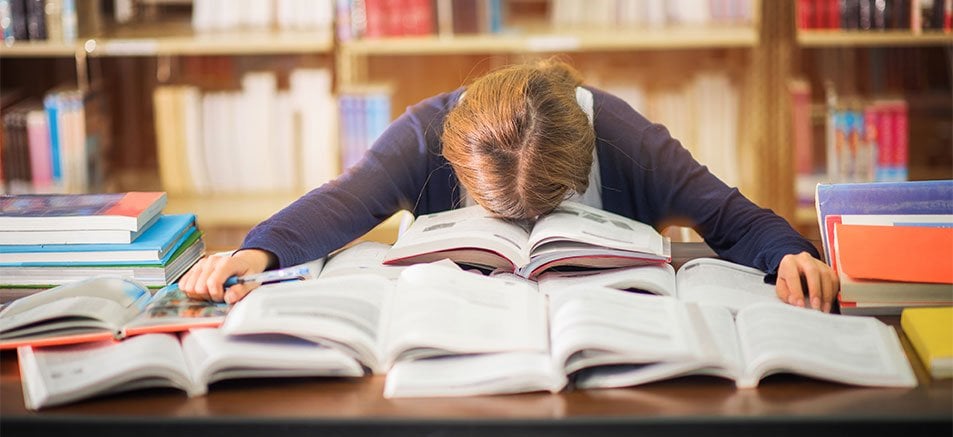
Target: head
{"x":518,"y":141}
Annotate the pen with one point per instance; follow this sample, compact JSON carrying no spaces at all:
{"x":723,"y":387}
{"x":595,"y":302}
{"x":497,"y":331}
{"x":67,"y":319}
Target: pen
{"x":299,"y":272}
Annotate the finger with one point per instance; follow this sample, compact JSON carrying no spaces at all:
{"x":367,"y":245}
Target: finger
{"x":215,"y":282}
{"x":833,"y":284}
{"x":201,"y":281}
{"x":187,"y":283}
{"x":807,"y":267}
{"x":790,"y":278}
{"x":238,"y":292}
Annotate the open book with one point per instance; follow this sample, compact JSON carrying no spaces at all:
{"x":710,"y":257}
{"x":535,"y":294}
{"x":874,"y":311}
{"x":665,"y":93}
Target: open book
{"x":431,"y":310}
{"x":57,"y":375}
{"x":609,"y":338}
{"x":440,"y":331}
{"x":704,"y":280}
{"x":101,"y":308}
{"x":573,"y":235}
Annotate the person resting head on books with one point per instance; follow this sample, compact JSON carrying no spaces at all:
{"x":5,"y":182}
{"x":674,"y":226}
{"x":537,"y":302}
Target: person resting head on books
{"x":519,"y":141}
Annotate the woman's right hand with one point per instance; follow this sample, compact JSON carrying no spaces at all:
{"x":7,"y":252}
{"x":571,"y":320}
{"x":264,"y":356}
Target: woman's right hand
{"x":206,"y":279}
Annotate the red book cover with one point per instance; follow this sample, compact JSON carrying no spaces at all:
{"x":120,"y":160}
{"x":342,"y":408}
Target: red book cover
{"x":117,"y":211}
{"x":896,"y":253}
{"x":418,"y":17}
{"x":376,"y":18}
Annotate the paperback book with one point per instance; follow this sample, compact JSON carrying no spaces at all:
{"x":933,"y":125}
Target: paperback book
{"x":79,"y":212}
{"x":102,"y":308}
{"x":190,"y":362}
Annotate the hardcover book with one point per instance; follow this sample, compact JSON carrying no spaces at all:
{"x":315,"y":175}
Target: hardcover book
{"x":573,"y":235}
{"x":58,"y":212}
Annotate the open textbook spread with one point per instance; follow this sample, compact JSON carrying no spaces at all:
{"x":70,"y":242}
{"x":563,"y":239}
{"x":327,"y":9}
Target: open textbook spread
{"x":101,"y":308}
{"x":190,"y":362}
{"x":440,"y":331}
{"x":573,"y":235}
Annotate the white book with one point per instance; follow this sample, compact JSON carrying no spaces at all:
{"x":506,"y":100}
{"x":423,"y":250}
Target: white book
{"x":431,"y":310}
{"x":59,"y":375}
{"x":366,"y":257}
{"x":604,"y":338}
{"x":572,"y":235}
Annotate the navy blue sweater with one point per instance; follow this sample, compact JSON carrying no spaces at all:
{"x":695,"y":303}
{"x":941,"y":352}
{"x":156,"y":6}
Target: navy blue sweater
{"x":646,"y":175}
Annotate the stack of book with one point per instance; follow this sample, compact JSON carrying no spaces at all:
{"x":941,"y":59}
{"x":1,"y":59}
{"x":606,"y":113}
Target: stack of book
{"x":891,"y":244}
{"x":49,"y":240}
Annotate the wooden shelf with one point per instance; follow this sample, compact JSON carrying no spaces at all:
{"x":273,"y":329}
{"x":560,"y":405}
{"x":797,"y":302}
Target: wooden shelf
{"x":647,"y":39}
{"x":839,"y":38}
{"x":39,"y":49}
{"x":239,"y":210}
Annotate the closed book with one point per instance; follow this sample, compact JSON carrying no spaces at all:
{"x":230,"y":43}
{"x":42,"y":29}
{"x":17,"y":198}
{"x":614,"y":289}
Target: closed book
{"x":930,"y":331}
{"x":56,"y":212}
{"x":153,"y":274}
{"x":900,"y":264}
{"x":917,"y":197}
{"x":156,"y":244}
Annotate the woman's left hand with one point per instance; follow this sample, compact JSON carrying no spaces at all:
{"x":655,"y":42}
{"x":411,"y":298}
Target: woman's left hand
{"x":821,"y":281}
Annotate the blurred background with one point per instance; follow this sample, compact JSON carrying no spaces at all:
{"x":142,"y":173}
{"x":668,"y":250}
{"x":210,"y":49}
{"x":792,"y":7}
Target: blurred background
{"x":237,"y":107}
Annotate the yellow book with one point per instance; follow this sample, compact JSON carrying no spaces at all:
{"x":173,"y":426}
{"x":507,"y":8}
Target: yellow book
{"x":930,"y":330}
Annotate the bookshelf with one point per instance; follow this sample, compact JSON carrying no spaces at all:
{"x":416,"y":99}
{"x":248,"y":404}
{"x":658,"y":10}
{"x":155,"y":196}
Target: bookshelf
{"x":758,"y":57}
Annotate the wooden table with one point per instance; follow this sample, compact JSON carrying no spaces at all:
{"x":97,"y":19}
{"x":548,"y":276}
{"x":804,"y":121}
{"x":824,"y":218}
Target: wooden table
{"x":694,"y":406}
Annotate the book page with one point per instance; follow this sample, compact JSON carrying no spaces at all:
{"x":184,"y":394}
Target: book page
{"x":98,"y":304}
{"x":719,"y":282}
{"x":62,"y":374}
{"x":718,"y":354}
{"x":656,"y":279}
{"x":441,"y":311}
{"x":601,"y":326}
{"x":576,"y":222}
{"x":213,"y":356}
{"x":474,"y":375}
{"x":366,"y":257}
{"x":850,"y":349}
{"x":459,"y":230}
{"x":126,"y":293}
{"x":345,"y":312}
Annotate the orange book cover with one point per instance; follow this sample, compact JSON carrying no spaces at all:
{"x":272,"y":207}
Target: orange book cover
{"x":896,"y":253}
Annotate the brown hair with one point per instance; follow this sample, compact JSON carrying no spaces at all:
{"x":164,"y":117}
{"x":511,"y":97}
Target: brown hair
{"x":518,"y":141}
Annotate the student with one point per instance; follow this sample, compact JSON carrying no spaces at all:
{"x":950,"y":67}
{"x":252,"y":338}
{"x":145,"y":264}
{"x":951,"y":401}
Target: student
{"x":519,"y":141}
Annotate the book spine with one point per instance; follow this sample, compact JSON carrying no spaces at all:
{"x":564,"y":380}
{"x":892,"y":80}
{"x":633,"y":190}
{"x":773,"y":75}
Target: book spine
{"x":36,"y":19}
{"x":54,"y":20}
{"x":18,"y":18}
{"x":69,"y":20}
{"x":38,"y":134}
{"x":902,"y":139}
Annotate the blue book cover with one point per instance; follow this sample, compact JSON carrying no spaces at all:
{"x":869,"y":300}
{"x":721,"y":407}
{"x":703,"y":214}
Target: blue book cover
{"x":883,"y":198}
{"x":51,"y":103}
{"x":157,"y":243}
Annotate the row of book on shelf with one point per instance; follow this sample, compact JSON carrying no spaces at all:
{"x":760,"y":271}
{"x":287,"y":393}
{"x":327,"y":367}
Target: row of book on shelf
{"x":914,"y":15}
{"x":210,"y":142}
{"x":50,"y":240}
{"x":48,"y":20}
{"x":297,"y":15}
{"x":435,"y":329}
{"x":53,"y":144}
{"x":636,"y":14}
{"x":394,"y":18}
{"x":862,"y":140}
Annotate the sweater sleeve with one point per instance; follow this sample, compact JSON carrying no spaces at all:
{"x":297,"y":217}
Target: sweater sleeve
{"x":668,"y":185}
{"x":388,"y":178}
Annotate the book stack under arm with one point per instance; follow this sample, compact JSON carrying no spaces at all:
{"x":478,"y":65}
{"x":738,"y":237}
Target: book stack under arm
{"x":50,"y":240}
